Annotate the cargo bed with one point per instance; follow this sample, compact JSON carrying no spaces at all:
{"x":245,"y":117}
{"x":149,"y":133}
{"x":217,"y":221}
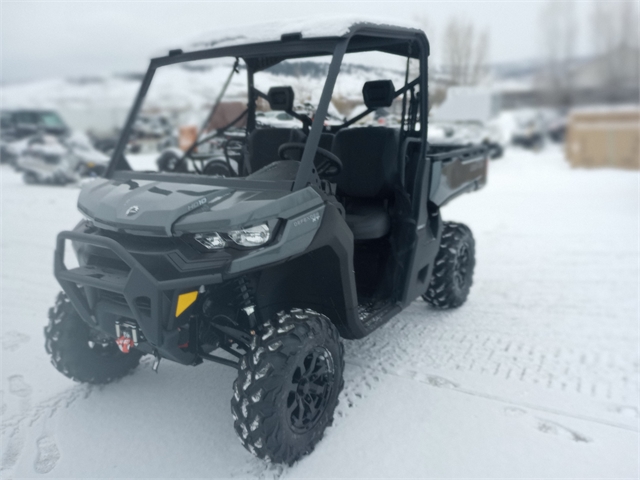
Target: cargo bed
{"x":456,"y":170}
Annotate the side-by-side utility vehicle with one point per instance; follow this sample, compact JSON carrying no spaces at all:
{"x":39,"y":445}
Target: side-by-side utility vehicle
{"x":327,"y":230}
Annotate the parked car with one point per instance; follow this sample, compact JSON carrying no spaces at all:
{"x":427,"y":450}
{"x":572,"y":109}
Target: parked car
{"x":531,"y":127}
{"x":468,"y":133}
{"x":16,"y":125}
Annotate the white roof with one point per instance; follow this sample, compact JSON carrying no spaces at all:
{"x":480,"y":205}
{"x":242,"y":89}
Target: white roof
{"x":272,"y":31}
{"x":599,"y":109}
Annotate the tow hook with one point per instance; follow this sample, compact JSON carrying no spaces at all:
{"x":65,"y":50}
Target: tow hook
{"x":156,"y":362}
{"x":127,"y":336}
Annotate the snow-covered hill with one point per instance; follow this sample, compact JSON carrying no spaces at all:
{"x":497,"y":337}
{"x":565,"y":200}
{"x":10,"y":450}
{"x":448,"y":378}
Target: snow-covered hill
{"x":102,"y":102}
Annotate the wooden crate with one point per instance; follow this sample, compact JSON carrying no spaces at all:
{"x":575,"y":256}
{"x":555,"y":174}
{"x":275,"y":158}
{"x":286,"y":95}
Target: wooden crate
{"x":604,"y":138}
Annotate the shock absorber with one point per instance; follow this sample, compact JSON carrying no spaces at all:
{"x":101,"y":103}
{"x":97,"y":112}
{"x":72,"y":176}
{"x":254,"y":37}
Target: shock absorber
{"x":246,"y":300}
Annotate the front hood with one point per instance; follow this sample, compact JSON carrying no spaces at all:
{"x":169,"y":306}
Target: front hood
{"x":145,"y":207}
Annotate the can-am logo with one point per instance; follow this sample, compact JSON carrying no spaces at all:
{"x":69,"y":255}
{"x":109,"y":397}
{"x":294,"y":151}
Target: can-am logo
{"x":312,"y":217}
{"x":132,"y":210}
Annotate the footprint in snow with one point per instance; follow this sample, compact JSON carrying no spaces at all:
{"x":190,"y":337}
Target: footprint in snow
{"x":16,"y":441}
{"x":12,"y":449}
{"x":553,"y":428}
{"x":440,"y":382}
{"x":433,"y":380}
{"x":546,"y":426}
{"x":47,"y":455}
{"x":12,"y":340}
{"x":18,"y":386}
{"x":626,"y":410}
{"x":514,"y":412}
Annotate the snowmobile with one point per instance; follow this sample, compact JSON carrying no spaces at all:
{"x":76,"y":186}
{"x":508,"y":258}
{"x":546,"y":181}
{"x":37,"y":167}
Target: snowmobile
{"x":326,"y":234}
{"x":18,"y":126}
{"x":46,"y":159}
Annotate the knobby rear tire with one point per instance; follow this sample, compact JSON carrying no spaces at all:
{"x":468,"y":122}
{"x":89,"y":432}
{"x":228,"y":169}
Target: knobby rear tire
{"x":453,"y":269}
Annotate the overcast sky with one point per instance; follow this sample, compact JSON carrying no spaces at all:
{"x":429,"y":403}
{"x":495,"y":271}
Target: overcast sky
{"x":51,"y":38}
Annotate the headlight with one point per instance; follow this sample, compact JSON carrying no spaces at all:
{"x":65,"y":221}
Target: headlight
{"x":211,"y":241}
{"x":246,"y":237}
{"x":251,"y":237}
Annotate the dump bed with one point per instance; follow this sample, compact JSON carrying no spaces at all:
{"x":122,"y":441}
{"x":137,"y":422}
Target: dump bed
{"x":456,"y":170}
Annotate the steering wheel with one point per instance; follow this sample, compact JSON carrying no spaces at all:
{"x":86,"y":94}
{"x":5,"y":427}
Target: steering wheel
{"x":327,"y":164}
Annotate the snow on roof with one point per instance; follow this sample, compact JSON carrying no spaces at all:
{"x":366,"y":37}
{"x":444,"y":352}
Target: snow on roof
{"x":272,"y":31}
{"x":599,"y":109}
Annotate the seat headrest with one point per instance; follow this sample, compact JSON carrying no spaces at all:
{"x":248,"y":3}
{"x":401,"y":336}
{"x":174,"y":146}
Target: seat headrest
{"x":280,"y":98}
{"x":378,"y":93}
{"x":369,"y":161}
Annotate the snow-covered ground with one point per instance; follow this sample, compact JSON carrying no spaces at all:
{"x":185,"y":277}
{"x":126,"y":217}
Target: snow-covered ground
{"x":536,"y":376}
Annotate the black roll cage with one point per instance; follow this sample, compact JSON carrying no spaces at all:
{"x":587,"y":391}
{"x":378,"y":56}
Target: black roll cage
{"x":362,"y":37}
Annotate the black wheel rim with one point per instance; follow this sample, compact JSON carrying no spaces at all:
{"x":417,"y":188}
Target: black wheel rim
{"x":309,"y":391}
{"x":461,"y":266}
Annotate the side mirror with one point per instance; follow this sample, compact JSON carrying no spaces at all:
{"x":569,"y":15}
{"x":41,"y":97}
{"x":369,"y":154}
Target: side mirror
{"x":280,"y":98}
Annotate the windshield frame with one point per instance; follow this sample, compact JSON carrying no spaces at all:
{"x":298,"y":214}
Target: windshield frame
{"x":372,"y":38}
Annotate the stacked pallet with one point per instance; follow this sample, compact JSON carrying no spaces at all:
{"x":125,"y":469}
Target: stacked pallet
{"x":604,"y":137}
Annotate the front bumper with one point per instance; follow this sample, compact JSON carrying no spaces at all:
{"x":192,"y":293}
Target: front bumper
{"x":102,"y":295}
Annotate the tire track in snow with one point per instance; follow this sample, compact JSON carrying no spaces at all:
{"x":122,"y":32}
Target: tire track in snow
{"x":49,"y":407}
{"x":14,"y":429}
{"x":29,"y":415}
{"x":594,"y":365}
{"x":412,"y":346}
{"x":441,"y":382}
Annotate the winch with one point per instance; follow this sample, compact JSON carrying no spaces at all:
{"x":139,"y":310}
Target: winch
{"x":127,"y":335}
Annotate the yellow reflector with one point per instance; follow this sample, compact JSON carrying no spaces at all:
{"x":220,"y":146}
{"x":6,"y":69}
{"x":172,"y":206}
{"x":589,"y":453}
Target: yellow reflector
{"x":184,"y":301}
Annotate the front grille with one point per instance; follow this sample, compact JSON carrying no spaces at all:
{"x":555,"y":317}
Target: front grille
{"x":107,"y":260}
{"x":140,"y":243}
{"x":113,"y":297}
{"x":142,"y":303}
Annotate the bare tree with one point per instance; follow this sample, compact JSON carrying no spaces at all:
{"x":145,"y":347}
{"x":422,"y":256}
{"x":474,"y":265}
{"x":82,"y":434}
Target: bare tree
{"x":429,"y":29}
{"x":465,"y":52}
{"x":616,"y":46}
{"x":559,"y":29}
{"x":614,"y":26}
{"x":437,"y":92}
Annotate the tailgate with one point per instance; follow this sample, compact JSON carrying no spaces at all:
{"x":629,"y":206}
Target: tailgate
{"x":456,"y":170}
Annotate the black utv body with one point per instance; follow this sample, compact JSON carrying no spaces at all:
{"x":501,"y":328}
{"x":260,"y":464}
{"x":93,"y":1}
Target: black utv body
{"x":328,"y":232}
